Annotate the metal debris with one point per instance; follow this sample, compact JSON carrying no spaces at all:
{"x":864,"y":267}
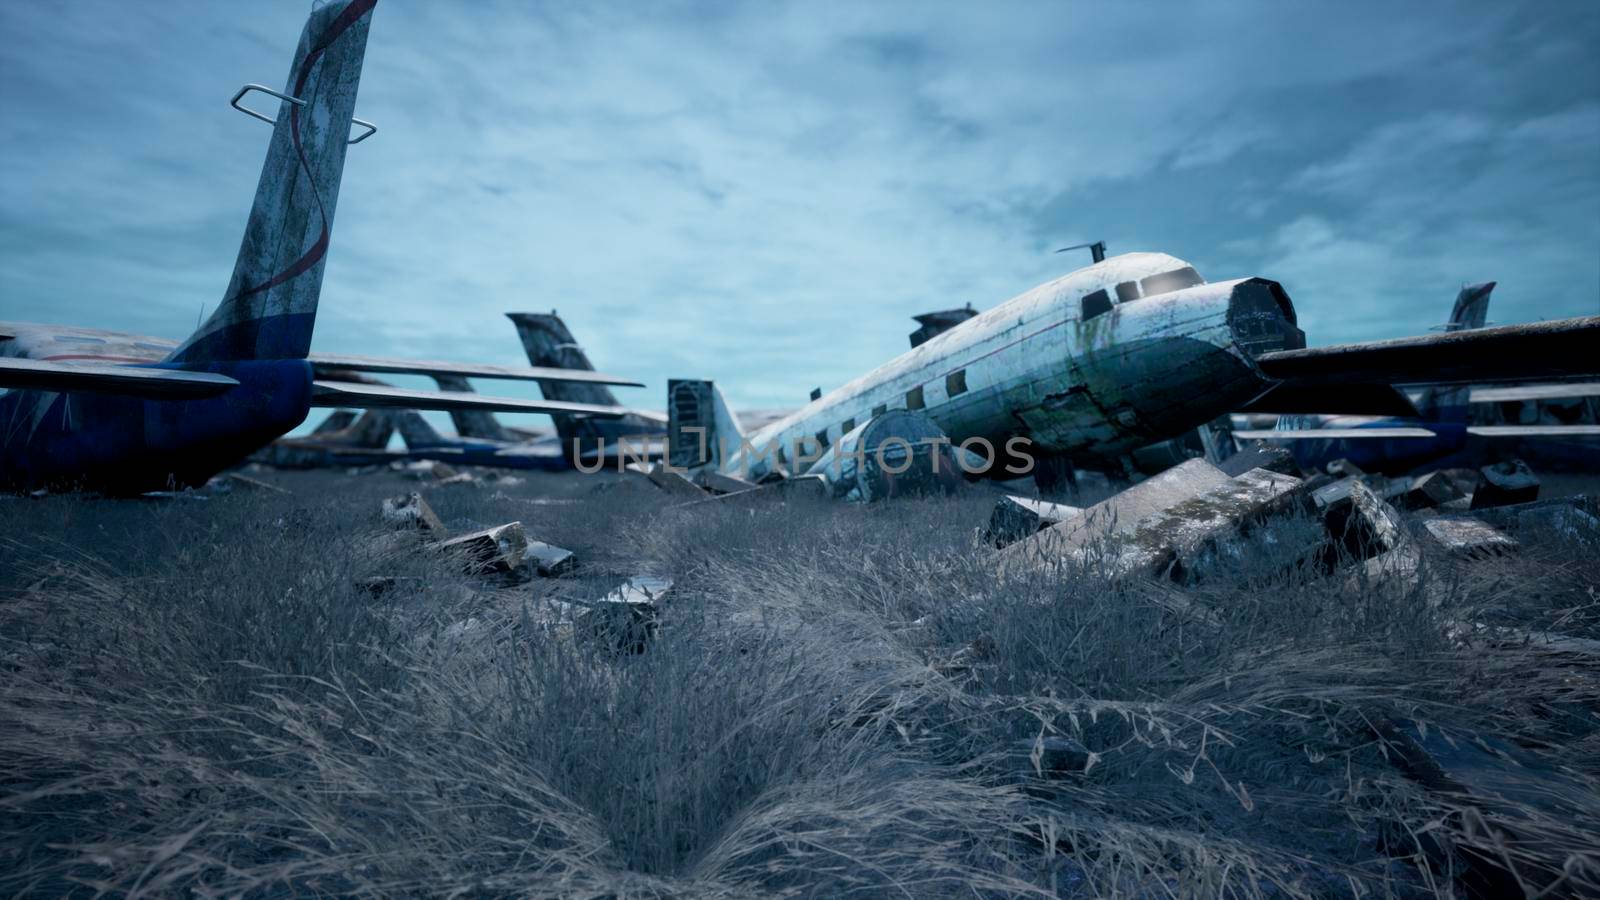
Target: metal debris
{"x":499,"y":549}
{"x":1430,"y":491}
{"x":1260,"y":455}
{"x":673,"y":482}
{"x":1506,"y":483}
{"x":626,"y":619}
{"x":718,"y":483}
{"x":1365,"y":525}
{"x":411,"y":511}
{"x":1471,"y":538}
{"x":549,"y":560}
{"x":1015,"y":518}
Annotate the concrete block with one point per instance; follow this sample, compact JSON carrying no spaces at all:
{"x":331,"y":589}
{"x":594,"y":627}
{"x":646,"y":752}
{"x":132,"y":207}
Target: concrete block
{"x":1119,"y":515}
{"x":1271,"y":457}
{"x":1430,"y":491}
{"x":549,"y":560}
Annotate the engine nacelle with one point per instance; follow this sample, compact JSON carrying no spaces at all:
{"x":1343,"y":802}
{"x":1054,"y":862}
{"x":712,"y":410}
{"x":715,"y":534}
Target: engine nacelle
{"x":896,"y":454}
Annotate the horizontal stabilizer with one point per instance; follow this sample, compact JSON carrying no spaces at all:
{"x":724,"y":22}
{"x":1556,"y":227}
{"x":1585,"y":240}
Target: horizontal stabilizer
{"x":325,"y":363}
{"x":1536,"y":392}
{"x":1359,"y":399}
{"x":132,"y":381}
{"x":1535,"y":430}
{"x":372,"y":396}
{"x":1559,"y":348}
{"x":1331,"y":434}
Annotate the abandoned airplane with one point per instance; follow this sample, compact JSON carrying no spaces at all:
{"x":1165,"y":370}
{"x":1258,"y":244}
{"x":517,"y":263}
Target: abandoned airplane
{"x":122,"y":413}
{"x":1129,"y":351}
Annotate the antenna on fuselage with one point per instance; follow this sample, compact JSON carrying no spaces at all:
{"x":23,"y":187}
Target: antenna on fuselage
{"x":1097,"y":249}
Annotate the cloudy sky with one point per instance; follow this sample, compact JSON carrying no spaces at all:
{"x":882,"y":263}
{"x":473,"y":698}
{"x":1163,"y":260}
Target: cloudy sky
{"x":765,"y":193}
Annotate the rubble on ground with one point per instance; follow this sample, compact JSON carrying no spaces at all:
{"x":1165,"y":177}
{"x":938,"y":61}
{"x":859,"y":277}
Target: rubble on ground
{"x":672,"y":481}
{"x":1260,"y":455}
{"x":497,"y":549}
{"x":1503,"y":484}
{"x":550,"y":561}
{"x":717,"y":483}
{"x":411,"y":511}
{"x":626,"y":619}
{"x":1015,"y":518}
{"x":1469,"y":538}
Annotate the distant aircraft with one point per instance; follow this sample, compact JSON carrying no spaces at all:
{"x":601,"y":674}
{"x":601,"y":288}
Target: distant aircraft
{"x":1452,"y":422}
{"x":1132,"y":350}
{"x":126,"y":414}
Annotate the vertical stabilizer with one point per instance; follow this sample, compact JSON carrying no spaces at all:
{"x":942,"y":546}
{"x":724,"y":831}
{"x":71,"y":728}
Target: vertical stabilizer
{"x":338,"y":420}
{"x":473,"y":423}
{"x":372,"y":429}
{"x":415,"y":430}
{"x":701,"y":428}
{"x":1472,"y":307}
{"x":548,"y":343}
{"x":271,"y":301}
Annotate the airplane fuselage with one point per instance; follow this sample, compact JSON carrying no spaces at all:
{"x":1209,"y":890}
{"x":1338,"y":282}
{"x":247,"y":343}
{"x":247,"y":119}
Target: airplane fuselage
{"x":1112,"y":357}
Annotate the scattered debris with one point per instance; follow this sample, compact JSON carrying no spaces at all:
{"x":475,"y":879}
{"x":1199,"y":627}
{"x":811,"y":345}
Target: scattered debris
{"x":411,"y":511}
{"x":1260,"y":455}
{"x":1363,"y":523}
{"x":627,"y":618}
{"x":442,"y":471}
{"x":718,"y":483}
{"x":1430,"y":491}
{"x":500,"y":548}
{"x":1504,"y":484}
{"x":1570,"y":517}
{"x":1344,"y":468}
{"x":1470,"y":538}
{"x":458,"y":478}
{"x":549,"y":560}
{"x":1172,"y":541}
{"x":1015,"y":518}
{"x":673,"y":482}
{"x":1115,"y":516}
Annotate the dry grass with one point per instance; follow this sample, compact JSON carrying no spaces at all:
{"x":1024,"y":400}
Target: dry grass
{"x":197,"y":698}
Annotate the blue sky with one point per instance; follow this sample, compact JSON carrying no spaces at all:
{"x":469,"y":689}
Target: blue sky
{"x":765,"y":193}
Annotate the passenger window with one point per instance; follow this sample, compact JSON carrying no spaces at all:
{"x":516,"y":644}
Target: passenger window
{"x":1166,"y":282}
{"x":848,"y":426}
{"x":822,"y":441}
{"x":955,"y":383}
{"x":1127,"y":291}
{"x":880,"y":409}
{"x":914,"y":398}
{"x":1096,"y":303}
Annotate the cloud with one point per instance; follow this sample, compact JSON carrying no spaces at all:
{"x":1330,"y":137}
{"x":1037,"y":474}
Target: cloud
{"x":764,"y":195}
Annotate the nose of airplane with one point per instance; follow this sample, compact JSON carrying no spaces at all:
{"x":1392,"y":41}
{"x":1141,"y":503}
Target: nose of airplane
{"x":1262,"y":319}
{"x":1180,"y":360}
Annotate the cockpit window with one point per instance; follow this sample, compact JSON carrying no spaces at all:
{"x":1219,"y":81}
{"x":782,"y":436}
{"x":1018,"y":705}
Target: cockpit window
{"x":1094,"y":304}
{"x":1127,"y":291}
{"x":1166,"y":282}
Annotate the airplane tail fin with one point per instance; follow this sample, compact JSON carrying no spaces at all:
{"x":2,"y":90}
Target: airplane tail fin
{"x":372,"y":429}
{"x":549,"y":343}
{"x":474,"y":423}
{"x":271,"y":301}
{"x":415,"y":430}
{"x":701,"y":427}
{"x":1472,"y":307}
{"x":338,"y":420}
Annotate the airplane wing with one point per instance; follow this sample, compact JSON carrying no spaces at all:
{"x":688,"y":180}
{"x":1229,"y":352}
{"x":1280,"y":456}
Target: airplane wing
{"x":1535,"y":392}
{"x":1330,"y":434}
{"x":370,"y":396}
{"x":1534,"y":430}
{"x":1559,"y":348}
{"x":1358,"y":399}
{"x":132,"y":381}
{"x":327,"y":364}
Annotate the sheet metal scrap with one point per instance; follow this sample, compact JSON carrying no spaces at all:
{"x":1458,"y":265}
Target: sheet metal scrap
{"x":498,"y":549}
{"x":673,"y":482}
{"x":626,"y":619}
{"x":1015,"y":518}
{"x":549,"y":560}
{"x":411,"y":511}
